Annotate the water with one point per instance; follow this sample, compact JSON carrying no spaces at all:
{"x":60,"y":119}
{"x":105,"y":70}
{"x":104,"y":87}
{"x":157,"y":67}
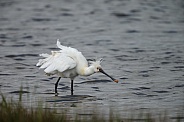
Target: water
{"x":142,"y":43}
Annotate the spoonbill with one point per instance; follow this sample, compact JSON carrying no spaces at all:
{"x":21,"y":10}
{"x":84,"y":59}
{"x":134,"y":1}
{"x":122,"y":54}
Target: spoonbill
{"x":68,"y":63}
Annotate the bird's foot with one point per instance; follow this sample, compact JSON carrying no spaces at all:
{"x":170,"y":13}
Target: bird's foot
{"x":56,"y":94}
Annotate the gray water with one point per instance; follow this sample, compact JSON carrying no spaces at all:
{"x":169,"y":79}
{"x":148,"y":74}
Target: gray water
{"x":142,"y":43}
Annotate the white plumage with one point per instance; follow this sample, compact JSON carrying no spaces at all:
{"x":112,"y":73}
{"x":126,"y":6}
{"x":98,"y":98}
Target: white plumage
{"x":68,"y":63}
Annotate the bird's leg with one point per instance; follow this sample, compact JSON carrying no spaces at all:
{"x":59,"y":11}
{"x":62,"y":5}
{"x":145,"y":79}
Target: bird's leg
{"x":56,"y":85}
{"x":71,"y":87}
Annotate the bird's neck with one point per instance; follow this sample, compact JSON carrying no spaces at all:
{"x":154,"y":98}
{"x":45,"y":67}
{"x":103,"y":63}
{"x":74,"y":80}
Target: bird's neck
{"x":88,"y":71}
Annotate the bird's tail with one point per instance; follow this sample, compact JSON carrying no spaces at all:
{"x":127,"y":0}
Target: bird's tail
{"x":42,"y":61}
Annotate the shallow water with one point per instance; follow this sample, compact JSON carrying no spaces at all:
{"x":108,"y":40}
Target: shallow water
{"x":142,"y":43}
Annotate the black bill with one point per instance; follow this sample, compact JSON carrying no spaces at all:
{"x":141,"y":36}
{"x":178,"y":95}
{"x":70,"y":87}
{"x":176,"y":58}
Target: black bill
{"x":115,"y":80}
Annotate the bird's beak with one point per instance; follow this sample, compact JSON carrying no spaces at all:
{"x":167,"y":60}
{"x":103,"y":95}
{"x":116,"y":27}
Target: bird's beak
{"x":115,"y":80}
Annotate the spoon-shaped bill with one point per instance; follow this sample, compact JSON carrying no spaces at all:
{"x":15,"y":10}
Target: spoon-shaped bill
{"x":115,"y":80}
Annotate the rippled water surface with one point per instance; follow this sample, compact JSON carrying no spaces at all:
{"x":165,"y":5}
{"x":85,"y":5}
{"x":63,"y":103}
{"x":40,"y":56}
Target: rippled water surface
{"x":142,"y":43}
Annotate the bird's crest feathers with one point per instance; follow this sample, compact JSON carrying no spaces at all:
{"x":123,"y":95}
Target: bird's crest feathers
{"x":95,"y":62}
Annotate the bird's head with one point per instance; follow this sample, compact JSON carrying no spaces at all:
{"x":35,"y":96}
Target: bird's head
{"x":97,"y":68}
{"x":96,"y":65}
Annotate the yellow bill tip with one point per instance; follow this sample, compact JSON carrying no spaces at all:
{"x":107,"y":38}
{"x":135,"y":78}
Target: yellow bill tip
{"x":116,"y":81}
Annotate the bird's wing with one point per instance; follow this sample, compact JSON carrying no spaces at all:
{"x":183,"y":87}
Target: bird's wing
{"x":62,"y":60}
{"x":73,"y":53}
{"x":57,"y":61}
{"x":67,"y":50}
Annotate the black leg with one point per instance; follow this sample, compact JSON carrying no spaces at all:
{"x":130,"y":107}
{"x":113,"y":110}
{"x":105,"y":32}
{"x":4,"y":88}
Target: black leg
{"x":56,"y":85}
{"x":71,"y":87}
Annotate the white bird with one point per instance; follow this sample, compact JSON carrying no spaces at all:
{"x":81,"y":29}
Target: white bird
{"x":69,"y":63}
